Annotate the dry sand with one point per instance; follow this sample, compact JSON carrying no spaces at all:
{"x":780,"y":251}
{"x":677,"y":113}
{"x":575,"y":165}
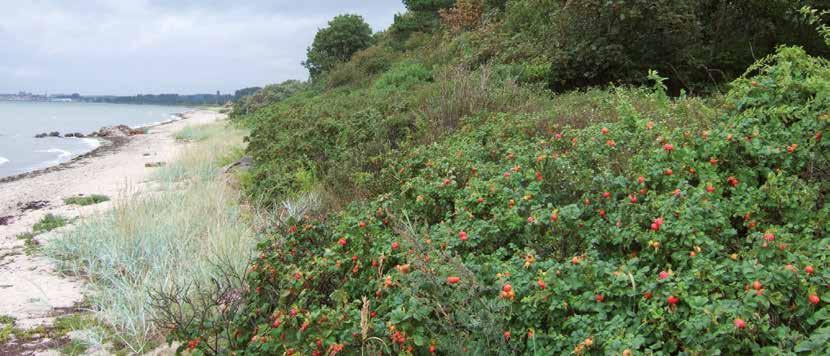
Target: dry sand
{"x":30,"y":289}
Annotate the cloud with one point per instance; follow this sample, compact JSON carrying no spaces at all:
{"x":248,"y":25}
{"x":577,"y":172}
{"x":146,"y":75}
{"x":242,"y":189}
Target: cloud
{"x":154,"y":46}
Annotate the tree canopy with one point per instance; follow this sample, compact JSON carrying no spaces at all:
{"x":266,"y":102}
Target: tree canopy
{"x":428,"y":5}
{"x":345,"y":35}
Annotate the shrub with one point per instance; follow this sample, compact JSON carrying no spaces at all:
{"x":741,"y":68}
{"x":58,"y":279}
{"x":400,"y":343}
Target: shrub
{"x":30,"y":245}
{"x":465,"y":15}
{"x":495,"y":4}
{"x":374,"y":60}
{"x":345,"y":74}
{"x":86,"y":200}
{"x":698,"y":43}
{"x":459,"y":92}
{"x":49,"y":222}
{"x":519,"y":234}
{"x":403,"y":76}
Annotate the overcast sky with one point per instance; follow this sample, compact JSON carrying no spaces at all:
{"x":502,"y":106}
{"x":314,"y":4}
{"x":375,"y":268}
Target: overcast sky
{"x":127,"y":47}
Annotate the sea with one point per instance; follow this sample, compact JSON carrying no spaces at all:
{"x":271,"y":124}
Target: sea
{"x":20,"y":121}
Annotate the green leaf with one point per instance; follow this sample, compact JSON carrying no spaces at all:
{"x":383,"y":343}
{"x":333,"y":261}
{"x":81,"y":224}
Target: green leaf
{"x":817,"y":342}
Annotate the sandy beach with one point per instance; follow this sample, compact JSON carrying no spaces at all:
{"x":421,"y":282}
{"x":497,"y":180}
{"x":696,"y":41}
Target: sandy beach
{"x":30,"y":289}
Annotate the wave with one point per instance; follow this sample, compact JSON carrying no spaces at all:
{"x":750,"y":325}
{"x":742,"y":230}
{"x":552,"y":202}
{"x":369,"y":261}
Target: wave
{"x":3,"y":160}
{"x":63,"y":155}
{"x":173,"y":118}
{"x":91,"y":142}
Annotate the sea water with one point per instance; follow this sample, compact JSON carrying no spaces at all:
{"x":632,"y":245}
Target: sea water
{"x":21,"y":152}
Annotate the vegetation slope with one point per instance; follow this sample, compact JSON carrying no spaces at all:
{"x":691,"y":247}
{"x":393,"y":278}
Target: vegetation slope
{"x":503,"y":177}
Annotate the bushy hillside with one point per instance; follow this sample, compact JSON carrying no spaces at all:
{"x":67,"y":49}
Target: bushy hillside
{"x":468,"y":209}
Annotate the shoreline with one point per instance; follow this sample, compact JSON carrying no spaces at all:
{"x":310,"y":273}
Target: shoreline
{"x":34,"y":291}
{"x":106,"y":145}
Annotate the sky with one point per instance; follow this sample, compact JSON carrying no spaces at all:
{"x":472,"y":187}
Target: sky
{"x":129,"y":47}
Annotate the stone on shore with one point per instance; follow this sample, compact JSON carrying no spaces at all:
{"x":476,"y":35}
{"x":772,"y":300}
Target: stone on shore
{"x":116,"y":131}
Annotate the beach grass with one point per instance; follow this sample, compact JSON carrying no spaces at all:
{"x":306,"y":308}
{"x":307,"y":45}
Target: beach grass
{"x":86,"y":200}
{"x":160,"y":240}
{"x":197,"y":133}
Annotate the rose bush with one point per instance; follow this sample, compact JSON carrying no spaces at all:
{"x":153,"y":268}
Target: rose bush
{"x":518,"y":234}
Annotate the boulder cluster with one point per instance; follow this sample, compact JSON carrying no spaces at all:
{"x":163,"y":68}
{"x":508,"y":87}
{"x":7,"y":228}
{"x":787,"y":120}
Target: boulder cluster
{"x":112,"y":131}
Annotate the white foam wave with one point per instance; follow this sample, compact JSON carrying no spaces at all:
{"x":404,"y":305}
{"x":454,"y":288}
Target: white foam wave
{"x":173,"y":118}
{"x":91,"y":142}
{"x":3,"y":160}
{"x":63,"y":156}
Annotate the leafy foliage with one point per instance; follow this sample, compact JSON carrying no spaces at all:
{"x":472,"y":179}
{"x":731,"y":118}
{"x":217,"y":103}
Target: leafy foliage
{"x":241,"y":93}
{"x":403,"y":76}
{"x":645,"y":232}
{"x":411,"y":22}
{"x":345,"y":35}
{"x":428,"y":5}
{"x":698,"y":43}
{"x":468,"y":210}
{"x":49,"y":222}
{"x":465,"y":15}
{"x":271,"y":94}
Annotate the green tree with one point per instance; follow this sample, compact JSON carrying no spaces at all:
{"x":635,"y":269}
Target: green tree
{"x":263,"y":97}
{"x":241,"y":93}
{"x":345,"y":35}
{"x":412,"y":22}
{"x":428,"y":5}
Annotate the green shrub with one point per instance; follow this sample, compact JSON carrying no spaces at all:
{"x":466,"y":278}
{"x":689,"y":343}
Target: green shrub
{"x":86,"y":200}
{"x":459,"y":92}
{"x":30,"y":245}
{"x":49,"y":222}
{"x":374,"y":60}
{"x":403,"y":76}
{"x":697,"y":43}
{"x":345,"y":74}
{"x":645,"y":232}
{"x":495,"y":4}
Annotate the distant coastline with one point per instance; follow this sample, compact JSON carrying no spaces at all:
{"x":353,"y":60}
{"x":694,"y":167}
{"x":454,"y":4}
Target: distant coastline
{"x":104,"y":145}
{"x":217,"y":99}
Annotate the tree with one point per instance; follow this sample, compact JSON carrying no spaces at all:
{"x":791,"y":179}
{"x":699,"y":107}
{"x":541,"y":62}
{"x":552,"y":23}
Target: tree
{"x":261,"y":98}
{"x":345,"y":35}
{"x":241,"y":93}
{"x":428,"y":5}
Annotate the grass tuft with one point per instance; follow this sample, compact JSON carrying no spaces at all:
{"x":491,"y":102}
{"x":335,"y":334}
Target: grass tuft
{"x":198,"y":133}
{"x":49,"y":223}
{"x":86,"y":200}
